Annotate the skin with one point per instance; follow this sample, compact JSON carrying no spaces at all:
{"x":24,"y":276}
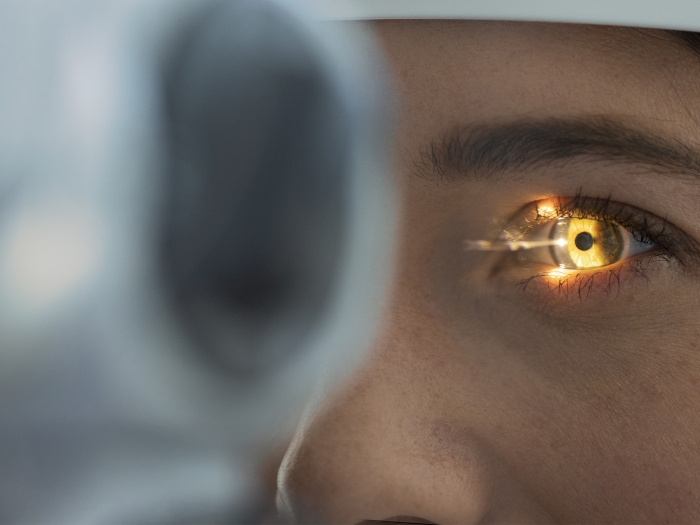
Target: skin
{"x":483,"y":401}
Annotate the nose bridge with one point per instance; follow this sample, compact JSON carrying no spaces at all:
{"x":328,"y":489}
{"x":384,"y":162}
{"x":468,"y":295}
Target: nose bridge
{"x":380,"y":448}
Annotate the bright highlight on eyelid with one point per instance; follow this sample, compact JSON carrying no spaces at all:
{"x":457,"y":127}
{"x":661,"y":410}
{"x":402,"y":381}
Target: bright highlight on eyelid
{"x":547,"y":210}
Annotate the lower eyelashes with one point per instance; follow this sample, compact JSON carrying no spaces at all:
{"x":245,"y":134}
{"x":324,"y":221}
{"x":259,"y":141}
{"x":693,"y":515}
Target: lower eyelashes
{"x":607,"y":281}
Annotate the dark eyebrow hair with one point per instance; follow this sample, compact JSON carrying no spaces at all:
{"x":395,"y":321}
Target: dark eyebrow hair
{"x":688,"y":39}
{"x":481,"y":151}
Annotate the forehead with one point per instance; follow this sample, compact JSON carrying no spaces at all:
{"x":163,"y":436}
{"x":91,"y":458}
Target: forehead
{"x":451,"y":72}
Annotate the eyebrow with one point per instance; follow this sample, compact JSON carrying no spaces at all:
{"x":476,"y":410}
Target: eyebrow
{"x":482,"y":151}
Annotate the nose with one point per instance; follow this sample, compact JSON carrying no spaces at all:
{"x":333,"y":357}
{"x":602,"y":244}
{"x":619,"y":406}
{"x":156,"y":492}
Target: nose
{"x":391,"y":445}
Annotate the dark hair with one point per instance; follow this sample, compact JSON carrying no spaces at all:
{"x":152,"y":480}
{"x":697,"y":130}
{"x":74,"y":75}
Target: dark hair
{"x":689,"y":39}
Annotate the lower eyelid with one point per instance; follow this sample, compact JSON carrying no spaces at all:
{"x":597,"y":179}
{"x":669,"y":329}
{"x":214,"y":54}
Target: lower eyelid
{"x":593,"y":285}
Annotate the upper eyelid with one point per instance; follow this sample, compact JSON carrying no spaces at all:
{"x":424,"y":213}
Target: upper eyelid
{"x":660,"y":231}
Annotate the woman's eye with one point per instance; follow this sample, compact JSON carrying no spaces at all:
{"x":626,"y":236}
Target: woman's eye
{"x":563,"y":241}
{"x":579,"y":243}
{"x":579,"y":233}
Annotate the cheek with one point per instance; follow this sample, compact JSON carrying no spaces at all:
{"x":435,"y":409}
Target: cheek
{"x":628,"y":445}
{"x":621,"y":446}
{"x":599,"y":414}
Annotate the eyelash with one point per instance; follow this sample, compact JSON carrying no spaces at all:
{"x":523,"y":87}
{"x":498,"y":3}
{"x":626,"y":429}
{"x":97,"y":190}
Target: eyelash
{"x":581,"y":283}
{"x":644,"y":226}
{"x":670,"y":244}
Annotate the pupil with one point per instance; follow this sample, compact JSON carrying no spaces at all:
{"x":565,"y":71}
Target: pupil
{"x":584,"y":241}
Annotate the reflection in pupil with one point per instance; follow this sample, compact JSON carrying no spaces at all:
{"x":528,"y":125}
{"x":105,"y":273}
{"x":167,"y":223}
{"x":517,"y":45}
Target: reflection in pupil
{"x":584,"y":241}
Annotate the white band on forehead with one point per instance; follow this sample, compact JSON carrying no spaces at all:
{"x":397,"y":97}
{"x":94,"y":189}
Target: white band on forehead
{"x":667,"y":14}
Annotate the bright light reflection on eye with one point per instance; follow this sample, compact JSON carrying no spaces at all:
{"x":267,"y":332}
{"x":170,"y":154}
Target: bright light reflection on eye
{"x":542,"y":234}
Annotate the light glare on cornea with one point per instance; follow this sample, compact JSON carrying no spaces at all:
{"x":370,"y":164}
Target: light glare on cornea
{"x":504,"y":245}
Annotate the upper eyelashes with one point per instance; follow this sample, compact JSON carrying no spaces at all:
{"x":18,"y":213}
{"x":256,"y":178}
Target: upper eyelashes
{"x":573,"y":241}
{"x":577,"y":237}
{"x":644,"y":226}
